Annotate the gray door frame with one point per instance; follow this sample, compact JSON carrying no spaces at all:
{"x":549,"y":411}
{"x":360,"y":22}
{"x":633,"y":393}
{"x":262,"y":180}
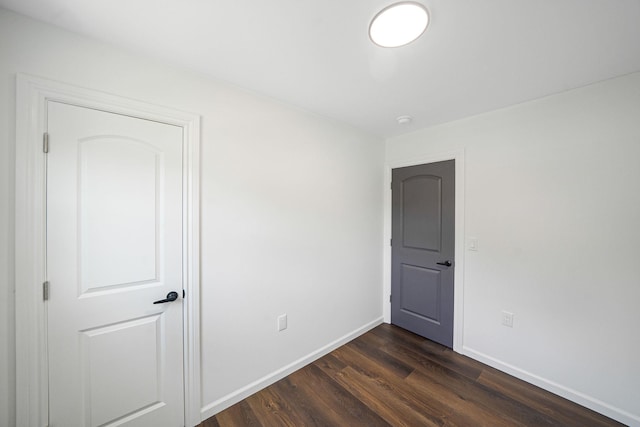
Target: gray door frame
{"x":458,"y":283}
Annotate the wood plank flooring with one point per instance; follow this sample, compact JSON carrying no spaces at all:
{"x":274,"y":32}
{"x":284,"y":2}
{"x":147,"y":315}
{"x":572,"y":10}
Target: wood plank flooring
{"x":391,"y":377}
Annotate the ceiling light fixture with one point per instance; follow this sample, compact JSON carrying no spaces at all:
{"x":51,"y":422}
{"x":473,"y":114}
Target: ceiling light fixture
{"x":399,"y":24}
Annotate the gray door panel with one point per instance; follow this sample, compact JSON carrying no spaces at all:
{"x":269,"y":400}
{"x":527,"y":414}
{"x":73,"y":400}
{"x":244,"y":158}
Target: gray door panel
{"x":423,"y":233}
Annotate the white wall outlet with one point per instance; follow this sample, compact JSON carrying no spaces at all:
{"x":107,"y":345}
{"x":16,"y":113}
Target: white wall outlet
{"x":507,"y":319}
{"x":472,"y":243}
{"x":282,"y":322}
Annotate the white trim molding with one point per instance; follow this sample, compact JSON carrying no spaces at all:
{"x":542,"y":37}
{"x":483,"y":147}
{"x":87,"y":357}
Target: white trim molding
{"x":246,"y":391}
{"x":556,"y":388}
{"x":458,"y":279}
{"x":31,"y":342}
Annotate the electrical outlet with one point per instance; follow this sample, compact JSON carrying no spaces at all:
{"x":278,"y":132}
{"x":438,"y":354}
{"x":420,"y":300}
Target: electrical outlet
{"x":507,"y":319}
{"x":282,"y":322}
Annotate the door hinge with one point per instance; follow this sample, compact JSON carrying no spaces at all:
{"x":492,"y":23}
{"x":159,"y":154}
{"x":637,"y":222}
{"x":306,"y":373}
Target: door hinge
{"x":390,"y":297}
{"x":45,"y":291}
{"x":45,"y":142}
{"x":390,"y":242}
{"x":391,"y":185}
{"x":183,"y":294}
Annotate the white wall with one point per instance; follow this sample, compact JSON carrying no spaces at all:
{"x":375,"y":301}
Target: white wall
{"x":291,"y":209}
{"x":552,"y":192}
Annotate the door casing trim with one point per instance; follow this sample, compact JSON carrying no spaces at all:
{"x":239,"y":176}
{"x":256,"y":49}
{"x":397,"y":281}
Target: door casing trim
{"x":458,"y":277}
{"x":32,"y":95}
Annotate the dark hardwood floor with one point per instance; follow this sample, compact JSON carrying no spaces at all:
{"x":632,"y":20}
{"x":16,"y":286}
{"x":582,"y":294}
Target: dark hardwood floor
{"x":391,"y":377}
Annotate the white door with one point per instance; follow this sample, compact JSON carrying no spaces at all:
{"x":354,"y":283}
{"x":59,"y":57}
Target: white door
{"x":114,"y":246}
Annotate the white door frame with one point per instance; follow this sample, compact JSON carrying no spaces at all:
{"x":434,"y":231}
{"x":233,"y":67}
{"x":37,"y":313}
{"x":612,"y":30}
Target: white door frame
{"x":458,"y":277}
{"x":30,"y":263}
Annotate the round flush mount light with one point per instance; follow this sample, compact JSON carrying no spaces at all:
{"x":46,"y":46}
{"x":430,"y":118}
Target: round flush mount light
{"x":399,"y":24}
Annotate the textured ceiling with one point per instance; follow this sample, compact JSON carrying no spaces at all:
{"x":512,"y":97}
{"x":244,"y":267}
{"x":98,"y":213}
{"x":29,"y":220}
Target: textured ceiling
{"x":475,"y":56}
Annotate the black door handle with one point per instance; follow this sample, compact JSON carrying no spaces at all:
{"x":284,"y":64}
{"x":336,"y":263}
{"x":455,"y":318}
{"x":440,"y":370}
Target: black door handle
{"x":446,"y":263}
{"x":171,"y":296}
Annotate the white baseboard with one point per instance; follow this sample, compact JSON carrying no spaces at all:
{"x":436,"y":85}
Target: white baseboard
{"x":566,"y":392}
{"x":230,"y":399}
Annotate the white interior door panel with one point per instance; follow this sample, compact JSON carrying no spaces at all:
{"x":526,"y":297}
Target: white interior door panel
{"x":114,"y":246}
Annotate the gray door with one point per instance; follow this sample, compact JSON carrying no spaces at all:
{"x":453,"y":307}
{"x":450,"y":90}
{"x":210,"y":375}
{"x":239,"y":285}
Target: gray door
{"x":423,"y":234}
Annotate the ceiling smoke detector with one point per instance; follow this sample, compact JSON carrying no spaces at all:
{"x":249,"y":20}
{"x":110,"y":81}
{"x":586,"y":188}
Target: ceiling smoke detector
{"x":404,"y":120}
{"x":399,"y":24}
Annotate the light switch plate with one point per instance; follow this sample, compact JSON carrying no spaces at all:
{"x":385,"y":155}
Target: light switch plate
{"x":472,"y":243}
